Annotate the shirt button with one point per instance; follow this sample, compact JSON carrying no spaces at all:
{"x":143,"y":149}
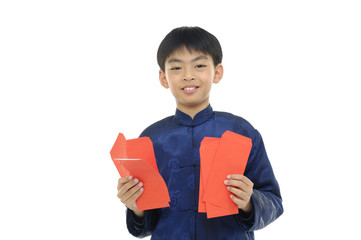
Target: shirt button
{"x":191,"y":181}
{"x":173,"y":199}
{"x":174,"y":165}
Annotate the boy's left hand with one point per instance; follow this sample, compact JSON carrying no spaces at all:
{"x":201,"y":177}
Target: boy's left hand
{"x":242,"y":189}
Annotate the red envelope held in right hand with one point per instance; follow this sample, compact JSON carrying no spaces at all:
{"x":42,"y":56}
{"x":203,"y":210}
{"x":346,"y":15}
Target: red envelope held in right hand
{"x":136,"y":158}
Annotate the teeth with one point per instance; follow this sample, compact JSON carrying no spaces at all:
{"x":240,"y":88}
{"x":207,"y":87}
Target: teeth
{"x":189,"y":88}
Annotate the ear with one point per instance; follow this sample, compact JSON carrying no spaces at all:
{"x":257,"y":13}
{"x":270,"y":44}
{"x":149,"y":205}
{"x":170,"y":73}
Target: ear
{"x":218,"y":73}
{"x":162,"y":79}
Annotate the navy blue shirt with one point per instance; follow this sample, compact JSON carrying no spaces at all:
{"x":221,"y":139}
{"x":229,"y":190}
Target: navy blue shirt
{"x":176,"y":142}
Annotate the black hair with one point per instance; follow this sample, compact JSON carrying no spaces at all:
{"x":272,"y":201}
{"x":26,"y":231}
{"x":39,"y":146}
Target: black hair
{"x":194,"y":39}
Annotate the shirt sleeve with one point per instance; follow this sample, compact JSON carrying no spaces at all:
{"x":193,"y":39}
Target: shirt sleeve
{"x":142,"y":226}
{"x":266,"y":197}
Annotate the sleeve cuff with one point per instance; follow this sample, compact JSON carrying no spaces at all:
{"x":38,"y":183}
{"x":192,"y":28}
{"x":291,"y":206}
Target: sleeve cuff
{"x":246,"y":219}
{"x":139,"y":222}
{"x":247,"y":216}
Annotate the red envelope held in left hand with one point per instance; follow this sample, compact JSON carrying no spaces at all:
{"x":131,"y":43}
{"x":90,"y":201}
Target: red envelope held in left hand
{"x":219,"y":158}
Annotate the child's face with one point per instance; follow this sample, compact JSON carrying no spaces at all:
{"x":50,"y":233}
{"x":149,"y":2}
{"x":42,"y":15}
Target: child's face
{"x":189,"y":77}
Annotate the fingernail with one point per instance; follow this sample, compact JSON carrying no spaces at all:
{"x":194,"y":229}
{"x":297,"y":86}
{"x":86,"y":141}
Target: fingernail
{"x":136,"y":180}
{"x":228,"y":188}
{"x":229,"y":176}
{"x":142,"y":189}
{"x":225,"y":181}
{"x":130,"y":178}
{"x":140,"y":184}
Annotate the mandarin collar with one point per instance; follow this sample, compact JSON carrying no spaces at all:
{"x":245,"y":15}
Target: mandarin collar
{"x":184,"y":119}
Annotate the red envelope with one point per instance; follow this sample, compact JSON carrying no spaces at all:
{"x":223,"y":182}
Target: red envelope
{"x":231,"y":156}
{"x":207,"y":152}
{"x":142,"y":148}
{"x":155,"y":193}
{"x":216,"y":211}
{"x":119,"y":149}
{"x":136,"y":158}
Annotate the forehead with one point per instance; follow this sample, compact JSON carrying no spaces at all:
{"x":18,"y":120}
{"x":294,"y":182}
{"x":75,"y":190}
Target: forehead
{"x":184,"y":55}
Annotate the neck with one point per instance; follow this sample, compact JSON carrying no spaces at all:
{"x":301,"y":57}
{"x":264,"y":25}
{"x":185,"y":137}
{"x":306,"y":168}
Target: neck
{"x":192,"y":110}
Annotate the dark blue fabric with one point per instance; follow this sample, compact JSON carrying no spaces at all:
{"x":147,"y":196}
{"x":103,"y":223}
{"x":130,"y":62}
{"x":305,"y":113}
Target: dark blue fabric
{"x":176,"y":141}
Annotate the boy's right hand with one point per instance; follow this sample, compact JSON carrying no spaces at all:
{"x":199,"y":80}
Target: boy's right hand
{"x":129,"y":190}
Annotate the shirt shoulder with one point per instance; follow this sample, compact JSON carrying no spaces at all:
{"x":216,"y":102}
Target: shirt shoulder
{"x":158,"y":127}
{"x":235,"y":123}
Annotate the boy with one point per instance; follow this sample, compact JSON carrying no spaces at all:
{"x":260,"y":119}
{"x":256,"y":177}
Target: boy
{"x":190,"y":62}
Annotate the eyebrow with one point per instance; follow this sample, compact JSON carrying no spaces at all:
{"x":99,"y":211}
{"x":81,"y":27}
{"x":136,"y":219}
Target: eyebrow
{"x":180,"y":61}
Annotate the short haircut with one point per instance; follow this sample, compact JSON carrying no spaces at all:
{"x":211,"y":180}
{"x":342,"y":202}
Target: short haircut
{"x":194,"y":39}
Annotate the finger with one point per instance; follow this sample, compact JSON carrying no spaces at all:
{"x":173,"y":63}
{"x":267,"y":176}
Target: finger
{"x":240,"y":202}
{"x":245,"y":195}
{"x":236,"y":183}
{"x":131,"y":202}
{"x":122,"y":181}
{"x":125,"y":188}
{"x":236,"y":191}
{"x":235,"y":176}
{"x":241,"y":178}
{"x":247,"y":181}
{"x":128,"y":194}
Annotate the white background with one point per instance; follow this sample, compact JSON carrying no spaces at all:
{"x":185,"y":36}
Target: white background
{"x":75,"y":73}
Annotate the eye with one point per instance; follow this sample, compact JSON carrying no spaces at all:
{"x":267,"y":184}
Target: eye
{"x":175,"y":68}
{"x":201,"y":66}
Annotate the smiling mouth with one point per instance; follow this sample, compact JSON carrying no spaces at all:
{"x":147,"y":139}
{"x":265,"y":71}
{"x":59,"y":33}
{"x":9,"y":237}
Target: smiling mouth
{"x":190,"y":88}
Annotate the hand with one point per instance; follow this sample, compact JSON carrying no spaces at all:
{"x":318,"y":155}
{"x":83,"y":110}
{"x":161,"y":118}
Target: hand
{"x":129,"y":190}
{"x":242,"y":189}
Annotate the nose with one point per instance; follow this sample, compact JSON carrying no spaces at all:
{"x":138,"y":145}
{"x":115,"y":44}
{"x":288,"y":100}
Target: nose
{"x":188,"y":75}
